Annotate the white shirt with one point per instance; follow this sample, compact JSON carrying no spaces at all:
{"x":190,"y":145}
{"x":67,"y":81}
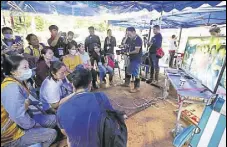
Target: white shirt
{"x":50,"y":92}
{"x":85,"y":58}
{"x":172,"y":45}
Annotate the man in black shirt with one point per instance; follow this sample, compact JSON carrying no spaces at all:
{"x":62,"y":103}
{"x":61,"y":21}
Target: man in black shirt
{"x":154,"y":45}
{"x":57,"y":42}
{"x":135,"y":56}
{"x":70,"y":40}
{"x":91,"y":40}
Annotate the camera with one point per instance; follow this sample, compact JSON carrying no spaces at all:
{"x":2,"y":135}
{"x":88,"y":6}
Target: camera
{"x":123,"y":49}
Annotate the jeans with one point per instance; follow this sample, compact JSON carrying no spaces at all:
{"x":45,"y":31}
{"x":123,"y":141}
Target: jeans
{"x":103,"y":70}
{"x":44,"y":135}
{"x":171,"y":59}
{"x":154,"y":61}
{"x":154,"y":64}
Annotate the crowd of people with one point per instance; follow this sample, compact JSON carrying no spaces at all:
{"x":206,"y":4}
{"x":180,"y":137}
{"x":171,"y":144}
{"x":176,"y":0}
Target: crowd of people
{"x":60,"y":77}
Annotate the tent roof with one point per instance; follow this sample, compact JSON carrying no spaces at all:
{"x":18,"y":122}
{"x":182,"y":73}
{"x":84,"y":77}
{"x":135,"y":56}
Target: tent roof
{"x":185,"y":19}
{"x":91,"y":8}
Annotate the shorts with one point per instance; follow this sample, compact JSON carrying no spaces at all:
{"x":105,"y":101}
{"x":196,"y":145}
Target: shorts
{"x":134,"y":68}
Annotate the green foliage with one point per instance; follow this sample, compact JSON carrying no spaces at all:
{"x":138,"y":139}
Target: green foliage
{"x":22,"y":26}
{"x":39,"y":21}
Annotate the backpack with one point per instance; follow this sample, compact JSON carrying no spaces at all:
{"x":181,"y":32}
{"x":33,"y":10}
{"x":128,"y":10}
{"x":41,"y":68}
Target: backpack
{"x":113,"y":130}
{"x":160,"y":53}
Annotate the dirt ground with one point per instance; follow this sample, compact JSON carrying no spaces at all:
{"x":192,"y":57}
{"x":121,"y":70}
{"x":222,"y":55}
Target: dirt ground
{"x":146,"y":128}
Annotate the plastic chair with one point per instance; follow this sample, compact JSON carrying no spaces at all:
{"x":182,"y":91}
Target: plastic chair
{"x":211,"y":130}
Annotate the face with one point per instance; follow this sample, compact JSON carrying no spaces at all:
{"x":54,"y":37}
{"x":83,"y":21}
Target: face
{"x":91,"y":32}
{"x":60,"y":75}
{"x":49,"y":55}
{"x":130,"y":34}
{"x":54,"y":32}
{"x":82,"y":49}
{"x":97,"y":49}
{"x":155,"y":30}
{"x":34,"y":40}
{"x":8,"y":34}
{"x":73,"y":50}
{"x":70,"y":37}
{"x":109,"y":33}
{"x":21,"y":68}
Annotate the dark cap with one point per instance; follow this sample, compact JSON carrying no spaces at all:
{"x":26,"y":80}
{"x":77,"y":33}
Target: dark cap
{"x":131,"y":29}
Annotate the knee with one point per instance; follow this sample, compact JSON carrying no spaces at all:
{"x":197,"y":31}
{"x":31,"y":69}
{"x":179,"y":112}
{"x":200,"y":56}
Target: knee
{"x":52,"y":135}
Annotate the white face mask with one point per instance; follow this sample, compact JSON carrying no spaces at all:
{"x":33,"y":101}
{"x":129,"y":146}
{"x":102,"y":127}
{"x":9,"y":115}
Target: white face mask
{"x":26,"y":74}
{"x":73,"y":52}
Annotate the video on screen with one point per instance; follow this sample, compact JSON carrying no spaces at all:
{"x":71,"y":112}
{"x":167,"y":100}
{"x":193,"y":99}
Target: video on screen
{"x":204,"y":59}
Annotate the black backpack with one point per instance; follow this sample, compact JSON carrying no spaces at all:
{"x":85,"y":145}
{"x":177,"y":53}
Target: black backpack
{"x":113,"y":131}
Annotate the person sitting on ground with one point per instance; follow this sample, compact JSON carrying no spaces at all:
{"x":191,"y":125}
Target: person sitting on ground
{"x":72,"y":59}
{"x":87,"y":64}
{"x":57,"y":42}
{"x":34,"y":48}
{"x":11,"y":45}
{"x":89,"y":112}
{"x":101,"y":61}
{"x":43,"y":65}
{"x":51,"y":90}
{"x":18,"y":127}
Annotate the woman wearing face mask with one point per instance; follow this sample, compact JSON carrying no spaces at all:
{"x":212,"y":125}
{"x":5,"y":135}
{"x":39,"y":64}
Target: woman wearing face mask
{"x":11,"y":45}
{"x":101,"y":61}
{"x":82,"y":110}
{"x":72,"y":59}
{"x":18,"y":128}
{"x":51,"y":90}
{"x":43,"y":65}
{"x":87,"y":64}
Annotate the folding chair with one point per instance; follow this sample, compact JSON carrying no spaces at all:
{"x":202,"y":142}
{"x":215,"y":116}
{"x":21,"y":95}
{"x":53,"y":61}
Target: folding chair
{"x":211,"y":130}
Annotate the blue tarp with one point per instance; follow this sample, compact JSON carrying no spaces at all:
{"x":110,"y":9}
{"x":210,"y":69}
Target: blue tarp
{"x":193,"y":18}
{"x":91,"y":8}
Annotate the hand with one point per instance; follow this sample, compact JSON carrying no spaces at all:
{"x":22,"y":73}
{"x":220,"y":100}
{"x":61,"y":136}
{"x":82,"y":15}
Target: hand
{"x":105,"y":64}
{"x":13,"y":47}
{"x":27,"y":103}
{"x":59,"y":34}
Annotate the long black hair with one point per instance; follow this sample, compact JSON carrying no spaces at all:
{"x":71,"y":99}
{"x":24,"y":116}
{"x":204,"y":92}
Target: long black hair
{"x":80,"y":78}
{"x":11,"y":63}
{"x":54,"y":67}
{"x":43,"y":52}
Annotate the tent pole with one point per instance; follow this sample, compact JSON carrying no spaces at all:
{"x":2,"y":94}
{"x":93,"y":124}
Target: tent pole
{"x":149,"y":34}
{"x":180,"y":36}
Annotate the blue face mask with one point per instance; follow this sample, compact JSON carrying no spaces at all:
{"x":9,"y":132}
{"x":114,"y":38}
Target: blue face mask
{"x":27,"y":74}
{"x":8,"y":36}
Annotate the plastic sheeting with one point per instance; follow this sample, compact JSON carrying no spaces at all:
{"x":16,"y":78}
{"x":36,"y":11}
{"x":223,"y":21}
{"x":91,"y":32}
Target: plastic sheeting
{"x":91,"y":8}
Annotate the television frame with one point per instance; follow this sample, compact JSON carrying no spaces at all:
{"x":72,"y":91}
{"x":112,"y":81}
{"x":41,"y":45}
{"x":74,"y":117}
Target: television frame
{"x":214,"y":91}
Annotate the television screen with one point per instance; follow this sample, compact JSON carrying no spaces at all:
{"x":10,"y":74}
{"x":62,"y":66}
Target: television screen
{"x":204,"y":59}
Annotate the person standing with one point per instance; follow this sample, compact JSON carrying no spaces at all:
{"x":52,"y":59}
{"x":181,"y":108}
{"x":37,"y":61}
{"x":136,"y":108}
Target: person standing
{"x":135,"y":56}
{"x":91,"y":40}
{"x":109,"y":44}
{"x":125,"y":43}
{"x":154,"y":45}
{"x":172,"y":49}
{"x":57,"y":42}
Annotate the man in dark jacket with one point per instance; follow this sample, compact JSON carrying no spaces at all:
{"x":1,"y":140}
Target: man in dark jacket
{"x":110,"y":43}
{"x":91,"y":40}
{"x":154,"y":45}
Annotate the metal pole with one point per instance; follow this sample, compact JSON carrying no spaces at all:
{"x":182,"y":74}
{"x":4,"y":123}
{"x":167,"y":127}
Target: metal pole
{"x":180,"y":36}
